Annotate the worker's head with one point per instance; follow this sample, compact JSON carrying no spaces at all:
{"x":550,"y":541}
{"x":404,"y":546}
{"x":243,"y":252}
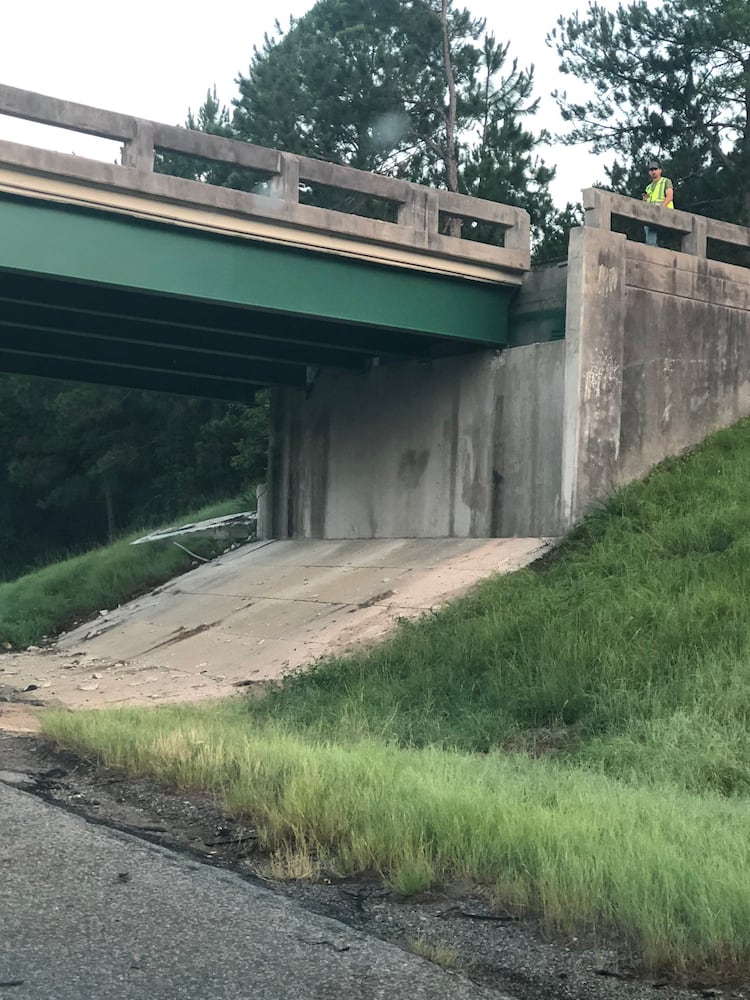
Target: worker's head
{"x":654,"y":169}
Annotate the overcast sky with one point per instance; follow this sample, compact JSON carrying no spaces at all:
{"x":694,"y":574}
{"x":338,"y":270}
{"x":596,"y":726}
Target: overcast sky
{"x":155,"y":59}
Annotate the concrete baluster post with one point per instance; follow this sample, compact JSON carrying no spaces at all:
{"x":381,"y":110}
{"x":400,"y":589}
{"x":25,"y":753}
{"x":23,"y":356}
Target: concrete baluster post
{"x":421,"y":211}
{"x":597,"y":211}
{"x":695,"y":242}
{"x":432,"y":212}
{"x":518,"y":236}
{"x":408,"y":210}
{"x":285,"y":184}
{"x":139,"y":151}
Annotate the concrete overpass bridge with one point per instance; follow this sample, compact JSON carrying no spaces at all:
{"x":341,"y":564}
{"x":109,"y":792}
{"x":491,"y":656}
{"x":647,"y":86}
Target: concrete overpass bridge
{"x":422,"y":385}
{"x":119,"y":274}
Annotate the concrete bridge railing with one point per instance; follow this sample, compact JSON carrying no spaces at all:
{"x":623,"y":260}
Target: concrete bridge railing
{"x":414,"y":239}
{"x":694,"y":230}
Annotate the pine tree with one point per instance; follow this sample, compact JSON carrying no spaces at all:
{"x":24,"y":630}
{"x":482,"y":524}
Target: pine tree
{"x":409,"y":88}
{"x":669,"y":80}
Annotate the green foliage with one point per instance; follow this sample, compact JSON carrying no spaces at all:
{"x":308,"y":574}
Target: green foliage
{"x":370,"y":91}
{"x":215,"y":119}
{"x":49,"y":600}
{"x":554,"y":234}
{"x":356,"y":68}
{"x":83,"y":463}
{"x":669,"y":79}
{"x":502,"y":164}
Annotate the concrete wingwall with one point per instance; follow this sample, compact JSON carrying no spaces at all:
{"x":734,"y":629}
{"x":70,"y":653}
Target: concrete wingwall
{"x":657,"y":357}
{"x":523,"y":441}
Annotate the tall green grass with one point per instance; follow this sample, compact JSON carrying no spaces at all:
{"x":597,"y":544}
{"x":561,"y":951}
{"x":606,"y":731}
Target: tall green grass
{"x":43,"y":603}
{"x":664,"y":872}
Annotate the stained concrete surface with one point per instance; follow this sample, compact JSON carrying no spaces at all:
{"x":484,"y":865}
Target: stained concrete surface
{"x":252,"y":616}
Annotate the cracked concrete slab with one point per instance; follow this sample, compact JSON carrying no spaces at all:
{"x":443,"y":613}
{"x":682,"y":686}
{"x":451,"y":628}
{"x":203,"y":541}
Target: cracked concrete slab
{"x":253,"y":615}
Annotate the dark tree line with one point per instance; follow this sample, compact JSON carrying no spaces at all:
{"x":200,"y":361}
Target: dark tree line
{"x":82,"y":464}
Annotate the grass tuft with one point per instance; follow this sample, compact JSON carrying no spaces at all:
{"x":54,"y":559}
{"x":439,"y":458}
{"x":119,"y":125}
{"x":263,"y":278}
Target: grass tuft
{"x":438,"y":954}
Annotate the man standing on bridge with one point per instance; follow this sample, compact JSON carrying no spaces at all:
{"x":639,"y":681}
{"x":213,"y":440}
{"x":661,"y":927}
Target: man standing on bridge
{"x":659,"y":191}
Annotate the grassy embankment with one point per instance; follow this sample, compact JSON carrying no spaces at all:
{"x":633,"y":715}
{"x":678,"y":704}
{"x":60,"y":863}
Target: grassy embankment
{"x":43,"y":603}
{"x":574,"y":737}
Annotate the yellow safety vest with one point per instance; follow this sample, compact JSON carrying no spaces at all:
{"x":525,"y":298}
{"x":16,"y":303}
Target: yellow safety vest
{"x":657,"y":189}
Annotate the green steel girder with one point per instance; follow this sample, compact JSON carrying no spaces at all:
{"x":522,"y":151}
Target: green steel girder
{"x":103,"y":297}
{"x":186,"y":340}
{"x":107,"y":304}
{"x":63,"y":346}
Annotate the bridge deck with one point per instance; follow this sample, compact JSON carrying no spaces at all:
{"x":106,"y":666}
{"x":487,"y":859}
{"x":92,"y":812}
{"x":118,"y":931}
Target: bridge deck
{"x":116,"y":273}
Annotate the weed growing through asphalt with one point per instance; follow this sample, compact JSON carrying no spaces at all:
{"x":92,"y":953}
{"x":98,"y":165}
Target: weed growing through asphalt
{"x":439,"y":954}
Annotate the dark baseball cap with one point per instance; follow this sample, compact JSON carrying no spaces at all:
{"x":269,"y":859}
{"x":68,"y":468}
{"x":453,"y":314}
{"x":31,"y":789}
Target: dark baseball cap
{"x":654,"y":165}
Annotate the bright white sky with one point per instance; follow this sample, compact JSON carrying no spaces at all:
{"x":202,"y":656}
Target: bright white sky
{"x":155,"y":59}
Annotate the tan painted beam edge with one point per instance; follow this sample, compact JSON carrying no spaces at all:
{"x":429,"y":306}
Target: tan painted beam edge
{"x":63,"y":192}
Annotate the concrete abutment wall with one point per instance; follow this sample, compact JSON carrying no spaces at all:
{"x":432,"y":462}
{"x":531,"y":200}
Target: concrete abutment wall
{"x":419,"y":449}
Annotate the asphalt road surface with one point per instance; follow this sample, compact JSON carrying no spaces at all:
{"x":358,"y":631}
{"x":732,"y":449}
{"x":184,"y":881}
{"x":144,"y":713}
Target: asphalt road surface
{"x":90,"y":913}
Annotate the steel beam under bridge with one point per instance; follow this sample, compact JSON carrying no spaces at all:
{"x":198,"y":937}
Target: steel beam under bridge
{"x":103,"y":298}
